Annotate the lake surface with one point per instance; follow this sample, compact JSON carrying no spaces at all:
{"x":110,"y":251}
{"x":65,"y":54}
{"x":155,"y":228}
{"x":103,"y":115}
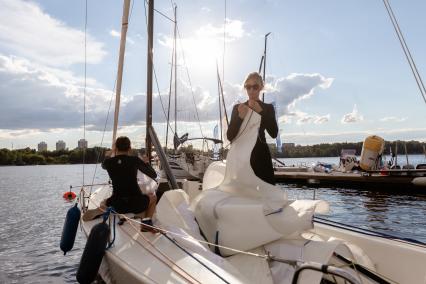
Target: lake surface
{"x":32,"y":214}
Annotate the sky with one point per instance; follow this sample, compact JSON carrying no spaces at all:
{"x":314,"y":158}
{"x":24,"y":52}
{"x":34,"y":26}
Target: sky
{"x":335,"y":69}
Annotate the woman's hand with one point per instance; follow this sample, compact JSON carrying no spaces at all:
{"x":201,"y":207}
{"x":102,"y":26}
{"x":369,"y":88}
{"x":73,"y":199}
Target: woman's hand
{"x":242,"y":110}
{"x":254,"y":105}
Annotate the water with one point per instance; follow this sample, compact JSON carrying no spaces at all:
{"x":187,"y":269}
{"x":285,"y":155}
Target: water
{"x":399,"y":215}
{"x":32,"y":213}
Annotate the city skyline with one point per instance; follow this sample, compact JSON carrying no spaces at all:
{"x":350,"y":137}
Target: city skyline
{"x":59,"y":145}
{"x":336,"y":74}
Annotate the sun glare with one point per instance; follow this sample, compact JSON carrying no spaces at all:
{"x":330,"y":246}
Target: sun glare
{"x":202,"y":52}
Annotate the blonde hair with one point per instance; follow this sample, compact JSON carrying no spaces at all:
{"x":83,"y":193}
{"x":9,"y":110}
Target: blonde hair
{"x":254,"y":76}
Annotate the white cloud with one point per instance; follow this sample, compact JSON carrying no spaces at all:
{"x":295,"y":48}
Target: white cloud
{"x":13,"y":134}
{"x":296,"y":87}
{"x":233,"y":30}
{"x":288,"y":91}
{"x":322,"y":119}
{"x":37,"y":97}
{"x":206,"y":43}
{"x":114,"y":33}
{"x":305,"y":118}
{"x":393,"y":119}
{"x":30,"y":32}
{"x":352,"y":117}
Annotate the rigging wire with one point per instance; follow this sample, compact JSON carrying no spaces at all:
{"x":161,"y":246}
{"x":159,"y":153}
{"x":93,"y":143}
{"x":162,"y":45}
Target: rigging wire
{"x":189,"y":80}
{"x":406,"y":50}
{"x":84,"y":90}
{"x":187,"y":72}
{"x":103,"y":136}
{"x":224,"y":40}
{"x":175,"y":66}
{"x":106,"y":119}
{"x":156,"y":79}
{"x":170,"y":93}
{"x":161,"y":13}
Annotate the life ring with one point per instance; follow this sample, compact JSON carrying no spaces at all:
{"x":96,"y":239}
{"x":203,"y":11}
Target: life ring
{"x":69,"y":195}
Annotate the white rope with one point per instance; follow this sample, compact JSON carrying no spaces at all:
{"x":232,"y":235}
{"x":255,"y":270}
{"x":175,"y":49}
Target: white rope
{"x":173,"y":264}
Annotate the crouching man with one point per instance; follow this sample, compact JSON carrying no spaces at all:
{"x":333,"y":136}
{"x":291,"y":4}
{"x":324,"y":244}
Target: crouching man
{"x":126,"y":196}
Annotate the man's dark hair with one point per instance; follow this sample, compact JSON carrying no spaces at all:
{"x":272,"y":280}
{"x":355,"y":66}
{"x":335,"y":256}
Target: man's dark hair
{"x":122,"y":143}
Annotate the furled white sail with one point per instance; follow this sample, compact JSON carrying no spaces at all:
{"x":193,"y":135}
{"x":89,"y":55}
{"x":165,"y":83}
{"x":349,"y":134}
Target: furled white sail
{"x":243,"y":211}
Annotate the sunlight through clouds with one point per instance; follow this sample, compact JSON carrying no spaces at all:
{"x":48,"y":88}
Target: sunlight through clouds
{"x":205,"y":46}
{"x":309,"y":75}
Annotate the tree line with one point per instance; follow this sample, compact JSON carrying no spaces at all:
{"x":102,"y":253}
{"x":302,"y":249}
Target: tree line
{"x":30,"y":156}
{"x":334,"y":149}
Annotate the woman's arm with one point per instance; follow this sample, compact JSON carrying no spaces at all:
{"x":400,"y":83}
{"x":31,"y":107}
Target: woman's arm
{"x":234,"y":125}
{"x":269,"y":121}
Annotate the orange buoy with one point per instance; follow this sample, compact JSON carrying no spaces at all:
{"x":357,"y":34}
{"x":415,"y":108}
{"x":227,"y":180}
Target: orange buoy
{"x":69,"y":195}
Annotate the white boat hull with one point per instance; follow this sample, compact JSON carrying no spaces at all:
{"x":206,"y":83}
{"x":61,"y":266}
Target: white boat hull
{"x":152,"y":258}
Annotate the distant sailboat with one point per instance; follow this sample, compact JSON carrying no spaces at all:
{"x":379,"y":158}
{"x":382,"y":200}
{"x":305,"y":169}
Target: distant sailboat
{"x":184,"y":165}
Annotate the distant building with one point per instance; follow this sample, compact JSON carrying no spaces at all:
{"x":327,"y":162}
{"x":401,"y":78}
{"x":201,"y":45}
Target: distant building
{"x":60,"y":145}
{"x":82,"y":144}
{"x":42,"y":146}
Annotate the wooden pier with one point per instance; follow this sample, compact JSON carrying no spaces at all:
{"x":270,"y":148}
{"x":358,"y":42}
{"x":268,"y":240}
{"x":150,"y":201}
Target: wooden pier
{"x":374,"y":180}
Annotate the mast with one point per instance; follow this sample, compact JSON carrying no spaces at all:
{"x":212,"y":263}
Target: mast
{"x":149,"y":78}
{"x":220,"y":107}
{"x":170,"y":90}
{"x":264,"y":64}
{"x":175,"y":66}
{"x":124,"y":25}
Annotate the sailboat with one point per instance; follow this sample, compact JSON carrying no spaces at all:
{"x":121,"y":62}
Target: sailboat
{"x":184,"y":165}
{"x":234,"y":228}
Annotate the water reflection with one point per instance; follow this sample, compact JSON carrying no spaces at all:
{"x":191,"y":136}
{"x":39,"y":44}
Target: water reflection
{"x":376,"y":204}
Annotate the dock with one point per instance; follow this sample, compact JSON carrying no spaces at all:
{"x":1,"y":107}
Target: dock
{"x":374,"y":180}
